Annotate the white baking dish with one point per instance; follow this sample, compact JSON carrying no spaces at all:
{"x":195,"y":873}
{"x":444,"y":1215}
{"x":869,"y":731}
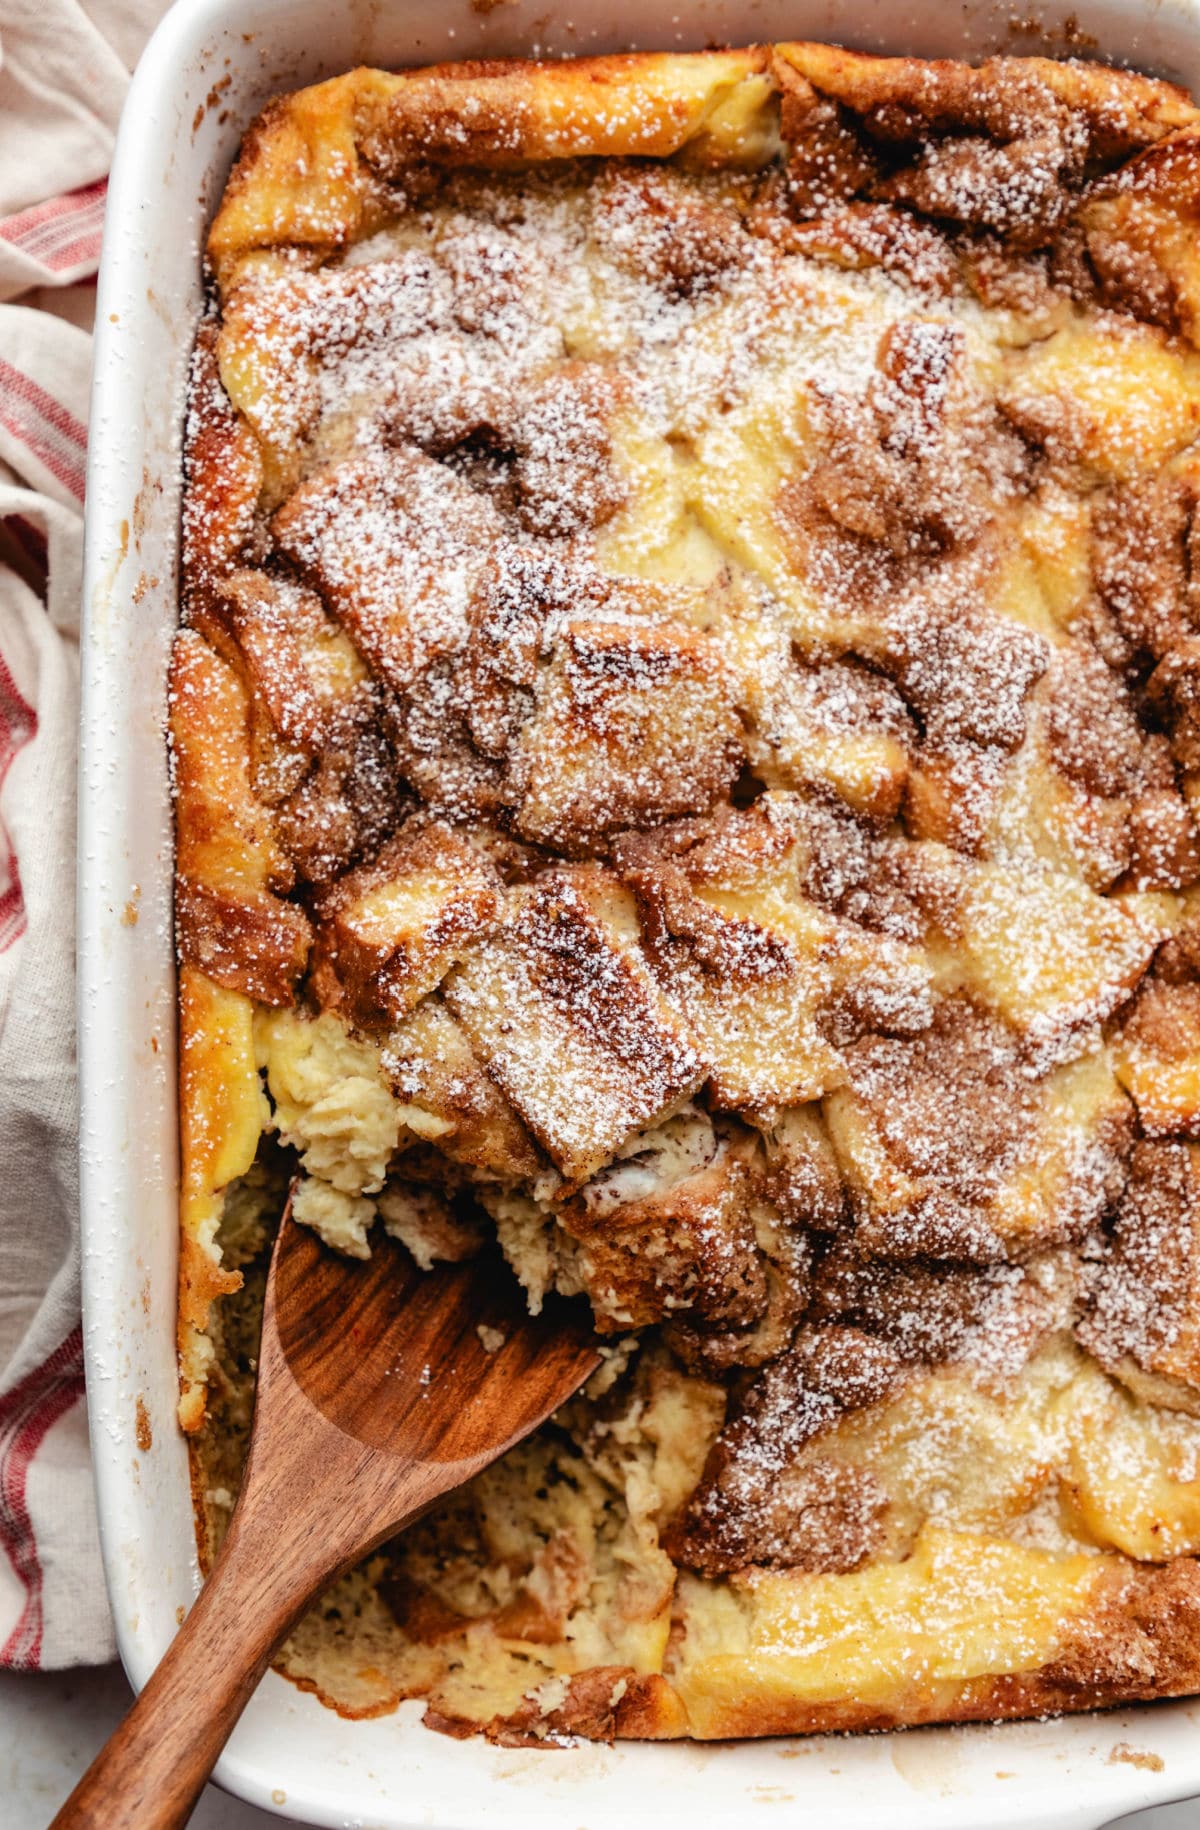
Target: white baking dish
{"x":210,"y":66}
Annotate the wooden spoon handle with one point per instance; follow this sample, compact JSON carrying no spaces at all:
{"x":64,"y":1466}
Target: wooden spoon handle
{"x":154,"y":1766}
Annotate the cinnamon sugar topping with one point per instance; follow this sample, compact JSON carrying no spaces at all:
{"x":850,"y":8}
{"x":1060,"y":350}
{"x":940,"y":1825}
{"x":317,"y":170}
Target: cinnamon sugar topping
{"x":687,"y":738}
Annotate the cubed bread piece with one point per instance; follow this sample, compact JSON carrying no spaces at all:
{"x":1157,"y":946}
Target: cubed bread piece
{"x":965,"y":669}
{"x":1156,"y":1055}
{"x":319,"y":757}
{"x":763,"y":976}
{"x":230,"y":922}
{"x":989,"y":1319}
{"x":396,"y":544}
{"x":430,"y":1063}
{"x":716,"y":1347}
{"x":756,"y":1503}
{"x":350,"y":799}
{"x":660,"y":228}
{"x":834,"y":726}
{"x":1174,"y":692}
{"x":632,"y":726}
{"x":857,"y":235}
{"x":918,"y":462}
{"x":1143,"y":552}
{"x":747,"y":993}
{"x":224,"y":477}
{"x":1091,"y":793}
{"x":563,"y":477}
{"x":559,"y":1004}
{"x":750,"y":1009}
{"x":530,"y":593}
{"x":862,"y":974}
{"x":301,"y":665}
{"x":953,"y":791}
{"x":950,"y":1149}
{"x":301,"y":353}
{"x":1034,"y":945}
{"x":1143,"y":1315}
{"x":838,"y":1476}
{"x":802,"y":1178}
{"x":1114,"y":400}
{"x":1000,"y":146}
{"x":667,"y":1231}
{"x":1140,"y":227}
{"x":261,"y":622}
{"x":388,"y":933}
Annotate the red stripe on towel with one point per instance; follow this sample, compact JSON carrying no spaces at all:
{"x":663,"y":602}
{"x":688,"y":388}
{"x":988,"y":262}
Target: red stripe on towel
{"x":61,"y":233}
{"x":54,"y":436}
{"x":18,"y":723}
{"x":27,"y":1414}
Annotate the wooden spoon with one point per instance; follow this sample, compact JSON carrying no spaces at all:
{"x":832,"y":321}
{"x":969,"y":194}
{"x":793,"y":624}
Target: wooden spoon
{"x":376,"y":1396}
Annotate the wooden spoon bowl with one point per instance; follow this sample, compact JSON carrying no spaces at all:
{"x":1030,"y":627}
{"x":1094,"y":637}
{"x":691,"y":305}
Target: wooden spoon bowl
{"x":381,"y":1388}
{"x":417,"y":1373}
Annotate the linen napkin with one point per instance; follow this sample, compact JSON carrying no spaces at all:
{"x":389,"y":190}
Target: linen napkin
{"x":64,"y":69}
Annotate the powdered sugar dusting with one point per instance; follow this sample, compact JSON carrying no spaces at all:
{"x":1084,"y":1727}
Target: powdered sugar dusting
{"x":774,"y":591}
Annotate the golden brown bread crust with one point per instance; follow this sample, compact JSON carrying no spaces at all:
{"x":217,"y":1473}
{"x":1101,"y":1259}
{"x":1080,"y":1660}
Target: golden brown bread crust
{"x":223,"y":478}
{"x":230,"y":921}
{"x":220,"y":1120}
{"x":687,"y":747}
{"x":374,"y":962}
{"x":1136,"y":1639}
{"x":1139,"y":1640}
{"x":320,"y":159}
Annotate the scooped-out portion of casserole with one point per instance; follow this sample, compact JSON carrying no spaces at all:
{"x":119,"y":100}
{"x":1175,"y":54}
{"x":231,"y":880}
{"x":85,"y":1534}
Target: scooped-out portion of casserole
{"x":686,"y":727}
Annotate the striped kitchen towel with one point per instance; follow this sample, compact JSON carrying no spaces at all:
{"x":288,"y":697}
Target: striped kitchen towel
{"x":53,"y":242}
{"x":63,"y":73}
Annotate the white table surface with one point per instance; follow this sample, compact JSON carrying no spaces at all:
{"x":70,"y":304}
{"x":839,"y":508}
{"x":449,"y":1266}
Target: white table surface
{"x":52,"y":1723}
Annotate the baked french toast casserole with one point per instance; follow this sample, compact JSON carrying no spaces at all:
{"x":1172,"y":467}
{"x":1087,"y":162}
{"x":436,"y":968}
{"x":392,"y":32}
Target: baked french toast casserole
{"x":686,"y":730}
